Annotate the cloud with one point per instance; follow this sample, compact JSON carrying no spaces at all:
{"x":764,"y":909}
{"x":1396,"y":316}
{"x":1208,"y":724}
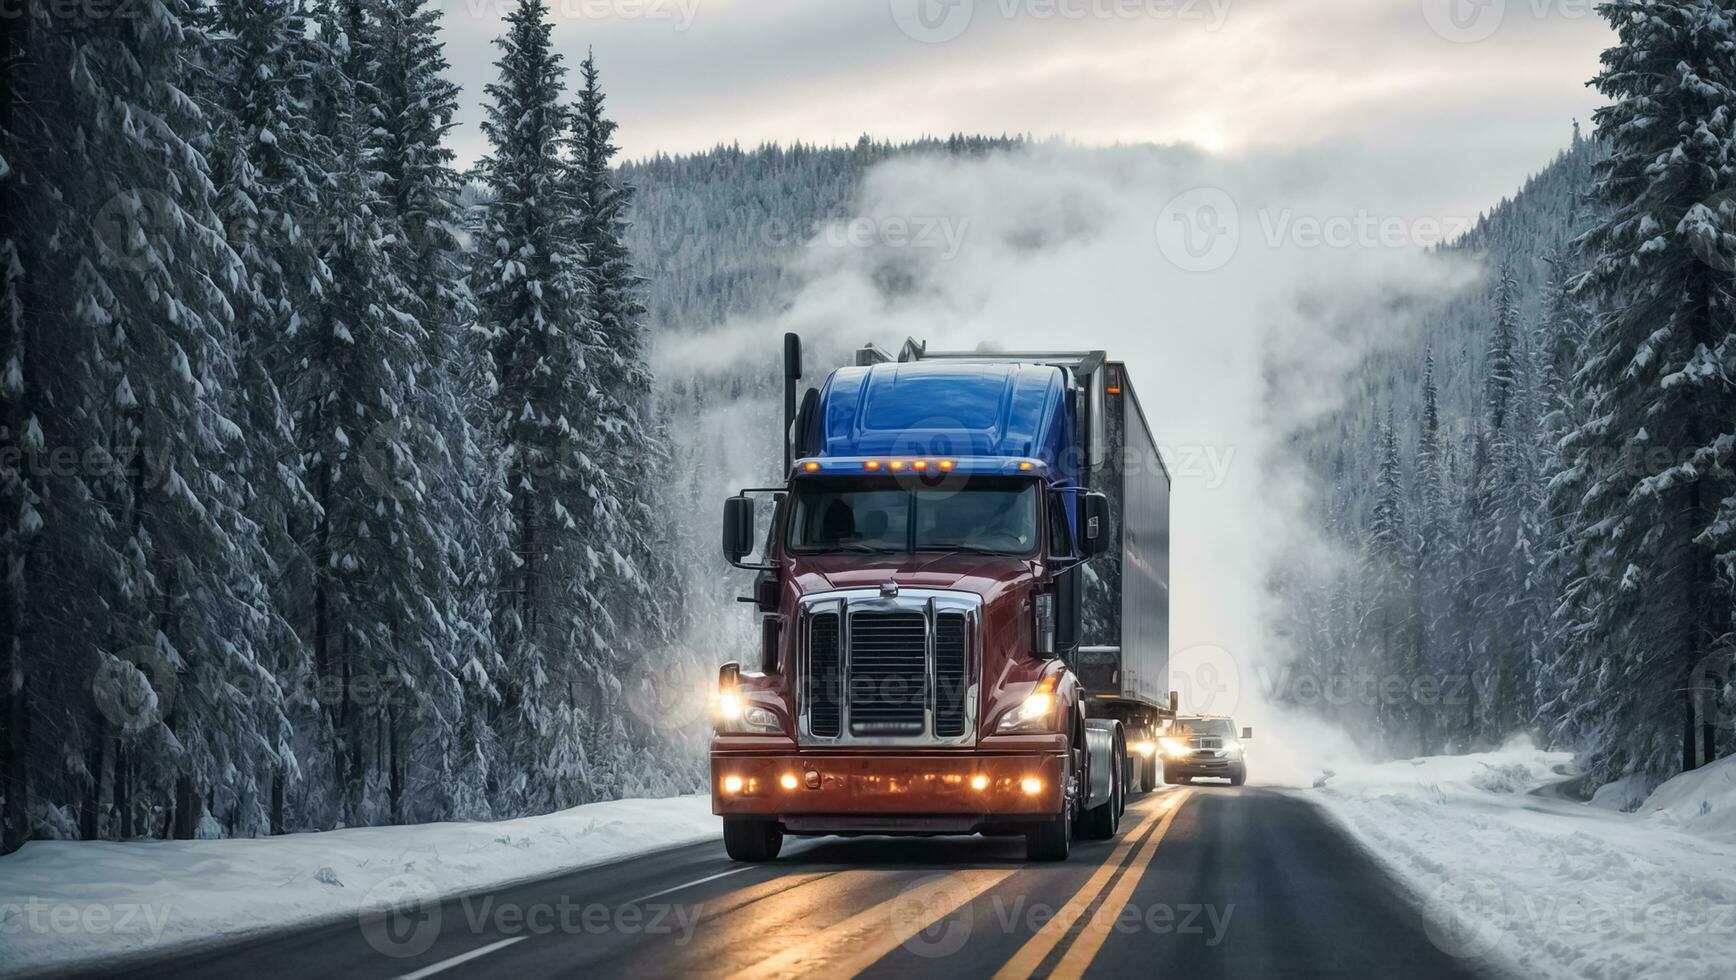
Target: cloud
{"x":1461,"y":121}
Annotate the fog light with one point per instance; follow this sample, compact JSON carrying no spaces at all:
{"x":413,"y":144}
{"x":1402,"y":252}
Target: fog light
{"x":1032,"y":786}
{"x":979,"y":782}
{"x":789,"y":781}
{"x":732,"y":784}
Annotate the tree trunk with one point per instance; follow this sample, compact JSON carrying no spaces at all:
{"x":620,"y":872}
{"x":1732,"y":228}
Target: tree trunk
{"x":123,"y":801}
{"x":90,"y":808}
{"x":395,"y":763}
{"x":188,"y":807}
{"x":277,"y":803}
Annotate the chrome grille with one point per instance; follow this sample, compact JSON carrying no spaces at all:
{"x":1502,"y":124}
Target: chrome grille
{"x":889,"y":668}
{"x":951,"y":675}
{"x":888,"y":673}
{"x":825,"y":689}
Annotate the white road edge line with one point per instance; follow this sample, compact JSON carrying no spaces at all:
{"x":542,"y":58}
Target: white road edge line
{"x":462,"y":959}
{"x":701,"y":881}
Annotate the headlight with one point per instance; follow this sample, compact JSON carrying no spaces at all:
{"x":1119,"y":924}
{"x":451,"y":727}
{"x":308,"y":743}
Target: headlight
{"x":1034,"y":714}
{"x":752,"y":719}
{"x":1176,"y":748}
{"x":735,"y":715}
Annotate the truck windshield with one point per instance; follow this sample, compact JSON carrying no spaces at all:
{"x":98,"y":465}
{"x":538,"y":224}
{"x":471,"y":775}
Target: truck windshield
{"x":986,"y":515}
{"x":1204,"y":726}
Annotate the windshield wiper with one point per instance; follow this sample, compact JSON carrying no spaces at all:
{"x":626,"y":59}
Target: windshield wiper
{"x":964,"y":549}
{"x":854,"y":549}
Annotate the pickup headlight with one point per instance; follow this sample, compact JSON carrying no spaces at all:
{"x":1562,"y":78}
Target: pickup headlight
{"x":1035,"y":713}
{"x":1176,"y":748}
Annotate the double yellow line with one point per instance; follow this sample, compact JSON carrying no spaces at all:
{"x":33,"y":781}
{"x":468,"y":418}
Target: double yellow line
{"x":846,"y":948}
{"x":1084,"y":949}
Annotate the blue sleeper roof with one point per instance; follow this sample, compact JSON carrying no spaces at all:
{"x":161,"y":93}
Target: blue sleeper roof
{"x":936,"y":408}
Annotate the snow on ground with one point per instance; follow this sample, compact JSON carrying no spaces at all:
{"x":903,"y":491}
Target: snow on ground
{"x":71,"y":903}
{"x":1546,"y":887}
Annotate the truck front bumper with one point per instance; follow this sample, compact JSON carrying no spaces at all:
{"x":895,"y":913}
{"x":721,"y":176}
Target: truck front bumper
{"x":882,"y":792}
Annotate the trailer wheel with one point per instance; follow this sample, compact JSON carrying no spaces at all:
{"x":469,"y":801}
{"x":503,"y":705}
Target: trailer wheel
{"x":752,"y":839}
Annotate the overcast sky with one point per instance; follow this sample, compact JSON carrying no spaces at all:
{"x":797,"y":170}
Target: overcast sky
{"x":1444,"y":105}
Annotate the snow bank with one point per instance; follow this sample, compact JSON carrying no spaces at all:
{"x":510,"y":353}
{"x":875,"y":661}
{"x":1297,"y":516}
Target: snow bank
{"x":1543,"y":887}
{"x":1702,"y":802}
{"x":74,"y":903}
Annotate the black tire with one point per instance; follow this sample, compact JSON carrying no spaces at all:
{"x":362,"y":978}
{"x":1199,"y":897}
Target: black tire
{"x":1240,"y":777}
{"x":1169,"y":779}
{"x":1148,"y":774}
{"x":752,"y":838}
{"x":1052,"y":839}
{"x":1100,"y":821}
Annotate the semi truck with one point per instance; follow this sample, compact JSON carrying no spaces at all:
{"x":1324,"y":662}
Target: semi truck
{"x":963,"y":596}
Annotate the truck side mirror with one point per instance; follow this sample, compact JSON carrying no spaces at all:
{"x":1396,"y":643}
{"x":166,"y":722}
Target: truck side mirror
{"x":737,"y":528}
{"x":1247,"y":733}
{"x":1094,"y":525}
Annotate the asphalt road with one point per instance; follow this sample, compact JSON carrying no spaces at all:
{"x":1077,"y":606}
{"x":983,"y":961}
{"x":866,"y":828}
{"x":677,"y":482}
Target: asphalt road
{"x":1202,"y":882}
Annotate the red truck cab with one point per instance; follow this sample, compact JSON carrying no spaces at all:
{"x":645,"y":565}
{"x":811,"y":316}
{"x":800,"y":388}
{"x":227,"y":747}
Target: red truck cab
{"x":915,"y":585}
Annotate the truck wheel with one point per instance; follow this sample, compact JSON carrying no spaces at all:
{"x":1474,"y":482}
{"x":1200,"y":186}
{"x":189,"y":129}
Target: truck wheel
{"x":1147,"y":774}
{"x":752,"y":839}
{"x":1051,"y":840}
{"x":1240,"y":777}
{"x":1100,"y":821}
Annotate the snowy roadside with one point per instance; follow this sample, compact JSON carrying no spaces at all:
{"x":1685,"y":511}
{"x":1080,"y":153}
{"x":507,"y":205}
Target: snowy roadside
{"x":1543,"y":887}
{"x":68,"y":904}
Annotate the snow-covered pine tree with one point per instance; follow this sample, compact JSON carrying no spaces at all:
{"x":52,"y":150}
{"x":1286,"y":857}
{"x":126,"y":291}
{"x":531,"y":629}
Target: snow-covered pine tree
{"x":20,"y":520}
{"x":382,"y":645}
{"x":269,"y":164}
{"x":465,"y":493}
{"x":157,"y":549}
{"x":639,"y":591}
{"x":1652,"y":461}
{"x":1393,"y":616}
{"x":552,"y":625}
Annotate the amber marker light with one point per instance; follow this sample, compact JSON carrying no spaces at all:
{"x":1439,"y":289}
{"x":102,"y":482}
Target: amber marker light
{"x":979,"y":783}
{"x":947,"y":465}
{"x":872,"y":464}
{"x":789,"y":781}
{"x":898,"y":464}
{"x":921,"y":464}
{"x":811,"y":467}
{"x":732,"y":784}
{"x":1032,"y":786}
